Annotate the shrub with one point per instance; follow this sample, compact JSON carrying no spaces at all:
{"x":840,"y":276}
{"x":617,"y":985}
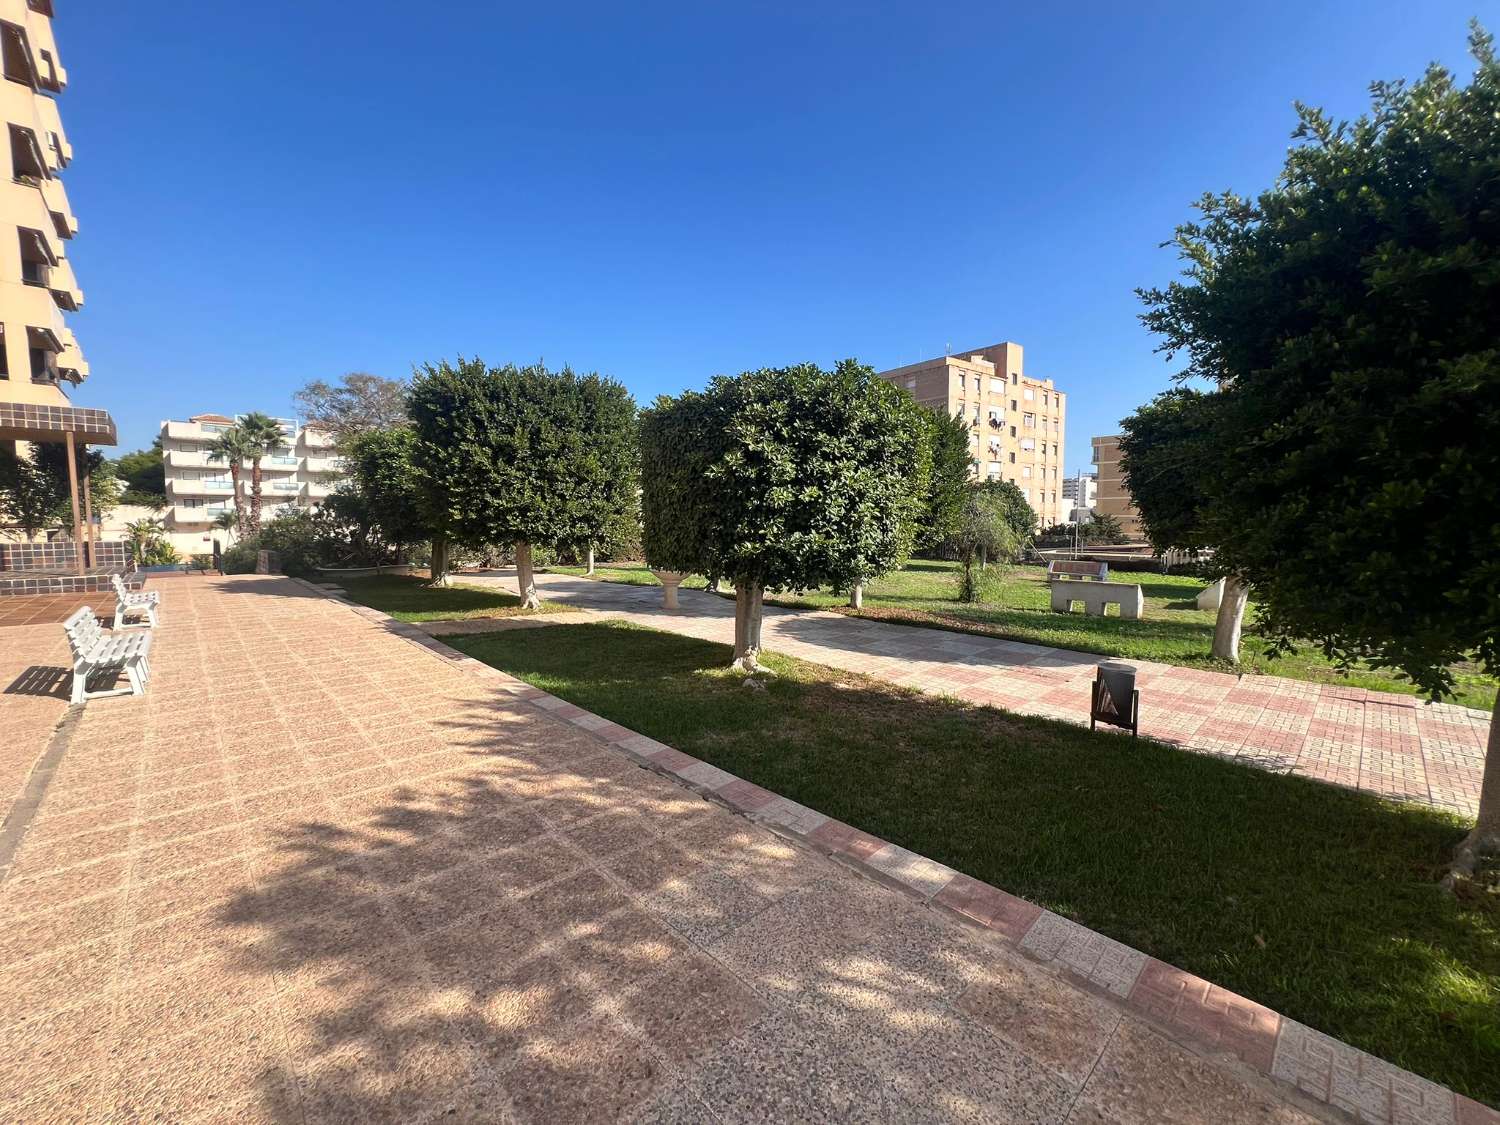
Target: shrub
{"x":239,"y":559}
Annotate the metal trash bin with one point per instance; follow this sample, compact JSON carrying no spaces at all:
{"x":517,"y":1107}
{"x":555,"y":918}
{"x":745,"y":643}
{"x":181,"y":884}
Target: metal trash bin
{"x":1115,"y":700}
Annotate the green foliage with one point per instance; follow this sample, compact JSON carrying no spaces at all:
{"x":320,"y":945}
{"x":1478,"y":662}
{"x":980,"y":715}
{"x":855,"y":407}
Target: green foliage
{"x":1019,"y":514}
{"x":34,"y":490}
{"x":1103,"y":528}
{"x":787,"y":477}
{"x":143,"y":472}
{"x":948,"y":439}
{"x":980,"y":585}
{"x":232,"y":448}
{"x":149,"y":545}
{"x":1171,"y":459}
{"x":986,"y":533}
{"x":383,"y":495}
{"x":1347,"y":315}
{"x":358,"y":403}
{"x":522,"y":454}
{"x":150,"y":500}
{"x":239,"y":559}
{"x":201,"y":561}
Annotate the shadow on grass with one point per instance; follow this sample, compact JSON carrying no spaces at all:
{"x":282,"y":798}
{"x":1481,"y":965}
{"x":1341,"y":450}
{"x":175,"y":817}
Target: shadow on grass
{"x":1316,"y":901}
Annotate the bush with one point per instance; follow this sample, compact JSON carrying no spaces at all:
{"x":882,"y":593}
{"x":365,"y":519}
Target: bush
{"x":201,"y":562}
{"x":239,"y":559}
{"x":979,"y":585}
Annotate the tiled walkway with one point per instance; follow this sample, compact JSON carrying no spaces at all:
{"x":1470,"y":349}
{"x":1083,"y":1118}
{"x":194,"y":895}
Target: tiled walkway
{"x":322,"y":874}
{"x":1393,"y":745}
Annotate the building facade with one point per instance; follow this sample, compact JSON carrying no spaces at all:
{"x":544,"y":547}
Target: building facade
{"x":1113,"y":498}
{"x":1080,"y":494}
{"x":1017,"y":423}
{"x":41,"y":364}
{"x":301,"y":472}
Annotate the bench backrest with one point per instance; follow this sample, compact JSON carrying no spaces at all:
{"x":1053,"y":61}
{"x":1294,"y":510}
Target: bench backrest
{"x":83,"y":632}
{"x":119,"y":584}
{"x":1078,"y":568}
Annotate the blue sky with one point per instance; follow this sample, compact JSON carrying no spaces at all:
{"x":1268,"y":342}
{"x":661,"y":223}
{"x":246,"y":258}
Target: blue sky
{"x":665,"y":192}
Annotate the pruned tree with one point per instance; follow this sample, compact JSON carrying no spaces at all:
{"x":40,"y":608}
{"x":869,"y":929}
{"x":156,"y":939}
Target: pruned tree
{"x":948,"y":482}
{"x":1019,"y":513}
{"x":1348,"y":314}
{"x":358,"y":402}
{"x":782,"y":479}
{"x":383,"y":493}
{"x":521,"y":456}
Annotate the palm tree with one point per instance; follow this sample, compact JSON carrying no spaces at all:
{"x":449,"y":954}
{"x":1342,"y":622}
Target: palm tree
{"x":231,"y":446}
{"x":226,"y":520}
{"x":262,"y":433}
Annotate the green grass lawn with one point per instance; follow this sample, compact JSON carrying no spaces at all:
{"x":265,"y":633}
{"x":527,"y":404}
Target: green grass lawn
{"x":1316,"y":901}
{"x":409,"y":598}
{"x":1173,"y":631}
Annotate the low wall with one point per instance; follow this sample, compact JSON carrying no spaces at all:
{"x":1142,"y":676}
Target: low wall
{"x":18,"y":558}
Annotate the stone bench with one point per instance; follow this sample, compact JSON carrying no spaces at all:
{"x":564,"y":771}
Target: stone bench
{"x":1096,"y":595}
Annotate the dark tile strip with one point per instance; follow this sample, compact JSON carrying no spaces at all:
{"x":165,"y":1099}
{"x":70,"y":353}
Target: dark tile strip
{"x":23,"y":812}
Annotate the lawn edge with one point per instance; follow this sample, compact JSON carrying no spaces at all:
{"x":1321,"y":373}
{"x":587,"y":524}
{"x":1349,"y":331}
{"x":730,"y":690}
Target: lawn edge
{"x":1212,"y":1021}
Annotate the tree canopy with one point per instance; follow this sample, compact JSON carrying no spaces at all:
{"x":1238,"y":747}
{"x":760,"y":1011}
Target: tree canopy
{"x":948,"y":484}
{"x":358,"y":402}
{"x":784,"y":479}
{"x":1013,"y":505}
{"x":383,"y":494}
{"x":34,"y":489}
{"x":1347,"y":315}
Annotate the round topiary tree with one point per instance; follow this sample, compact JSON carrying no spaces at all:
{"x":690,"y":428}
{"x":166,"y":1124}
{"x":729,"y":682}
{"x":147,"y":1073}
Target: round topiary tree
{"x":783,"y":479}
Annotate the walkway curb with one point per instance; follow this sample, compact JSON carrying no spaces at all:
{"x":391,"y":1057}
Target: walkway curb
{"x":1194,"y":1012}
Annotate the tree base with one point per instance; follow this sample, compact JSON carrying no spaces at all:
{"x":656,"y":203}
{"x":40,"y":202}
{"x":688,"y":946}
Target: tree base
{"x":1474,"y":847}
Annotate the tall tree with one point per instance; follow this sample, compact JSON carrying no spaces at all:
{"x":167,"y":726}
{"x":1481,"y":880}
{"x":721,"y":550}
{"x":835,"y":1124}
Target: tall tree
{"x":383,"y":475}
{"x":948,"y":482}
{"x":782,"y":479}
{"x":261,"y":434}
{"x":1018,"y":512}
{"x":358,"y":402}
{"x":143,"y":474}
{"x":1173,"y":462}
{"x":520,"y":456}
{"x":1347,"y":314}
{"x":34,"y":488}
{"x":986,"y":530}
{"x":232,"y":448}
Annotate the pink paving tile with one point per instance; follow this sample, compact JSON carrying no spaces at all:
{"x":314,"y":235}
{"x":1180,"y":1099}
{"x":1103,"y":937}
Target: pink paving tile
{"x":989,"y":906}
{"x":1207,"y":1012}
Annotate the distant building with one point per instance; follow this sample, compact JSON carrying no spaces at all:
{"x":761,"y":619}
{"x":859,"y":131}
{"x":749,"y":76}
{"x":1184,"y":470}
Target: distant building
{"x":1017,"y":423}
{"x":1113,"y":498}
{"x":1080,"y":495}
{"x":299,"y":473}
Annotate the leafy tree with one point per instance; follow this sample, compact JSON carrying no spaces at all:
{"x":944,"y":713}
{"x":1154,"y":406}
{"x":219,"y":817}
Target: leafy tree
{"x":948,"y":483}
{"x":34,"y":488}
{"x":520,"y":455}
{"x":1102,"y":527}
{"x":260,"y":433}
{"x":383,"y":495}
{"x":1019,"y":513}
{"x":782,"y":479}
{"x":143,"y":474}
{"x":232,"y":448}
{"x":356,"y":403}
{"x":1347,"y":315}
{"x":1172,"y":461}
{"x":149,"y":544}
{"x":986,"y":530}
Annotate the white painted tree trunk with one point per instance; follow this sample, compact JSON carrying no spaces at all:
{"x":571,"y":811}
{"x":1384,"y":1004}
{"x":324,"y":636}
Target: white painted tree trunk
{"x":1486,"y":835}
{"x":747,"y":618}
{"x":525,"y":578}
{"x":1231,"y":620}
{"x":591,"y":561}
{"x":857,"y":596}
{"x":439,"y":563}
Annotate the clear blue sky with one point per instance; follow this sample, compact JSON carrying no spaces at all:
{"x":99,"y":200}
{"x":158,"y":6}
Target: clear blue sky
{"x":271,"y":194}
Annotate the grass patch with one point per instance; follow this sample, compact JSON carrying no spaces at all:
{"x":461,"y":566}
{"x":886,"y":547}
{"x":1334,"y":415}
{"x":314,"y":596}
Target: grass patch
{"x":1173,"y":631}
{"x":1316,"y":901}
{"x":409,"y":598}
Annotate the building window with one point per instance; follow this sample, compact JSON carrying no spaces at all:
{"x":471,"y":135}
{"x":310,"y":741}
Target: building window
{"x":1012,"y":431}
{"x":1029,"y":394}
{"x":4,"y":356}
{"x":1012,"y":458}
{"x":1028,"y":444}
{"x":1025,"y":472}
{"x":1028,"y":420}
{"x":997,"y":386}
{"x":1014,"y":378}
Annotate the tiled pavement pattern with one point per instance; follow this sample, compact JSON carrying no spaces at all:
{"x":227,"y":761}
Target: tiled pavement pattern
{"x":1393,"y":745}
{"x":40,"y":609}
{"x":319,"y":873}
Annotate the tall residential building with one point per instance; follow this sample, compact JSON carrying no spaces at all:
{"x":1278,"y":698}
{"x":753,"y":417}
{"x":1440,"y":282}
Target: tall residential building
{"x":1017,"y":423}
{"x":39,"y":359}
{"x":299,"y":473}
{"x":1114,"y":498}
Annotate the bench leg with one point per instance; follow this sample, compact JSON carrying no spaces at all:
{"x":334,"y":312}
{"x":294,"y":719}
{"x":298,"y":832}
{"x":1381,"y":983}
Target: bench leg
{"x":80,"y":681}
{"x":137,"y":684}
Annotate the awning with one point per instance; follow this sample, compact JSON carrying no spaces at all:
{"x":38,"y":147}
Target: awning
{"x":31,"y":421}
{"x":43,"y":338}
{"x":37,"y":242}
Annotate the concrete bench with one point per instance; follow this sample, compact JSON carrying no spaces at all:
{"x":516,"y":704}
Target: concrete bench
{"x":95,"y":651}
{"x":1081,"y":569}
{"x":1096,"y":595}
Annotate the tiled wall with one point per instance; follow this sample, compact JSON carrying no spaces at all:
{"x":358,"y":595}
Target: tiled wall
{"x":22,"y":557}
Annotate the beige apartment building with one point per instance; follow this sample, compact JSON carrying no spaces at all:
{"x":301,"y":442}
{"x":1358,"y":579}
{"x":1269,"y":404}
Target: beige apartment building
{"x":1017,"y":423}
{"x":1113,"y":498}
{"x":299,"y":473}
{"x":40,"y":361}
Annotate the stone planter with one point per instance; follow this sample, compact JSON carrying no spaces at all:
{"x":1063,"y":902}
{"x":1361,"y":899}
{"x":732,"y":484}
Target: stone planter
{"x":670,"y":580}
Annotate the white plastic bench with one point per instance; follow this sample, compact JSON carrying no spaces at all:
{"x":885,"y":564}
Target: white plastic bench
{"x":95,"y":651}
{"x":133,"y":603}
{"x":1096,"y":595}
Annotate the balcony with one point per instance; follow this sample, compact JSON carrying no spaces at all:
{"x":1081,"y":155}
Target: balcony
{"x":198,"y":515}
{"x":314,"y":464}
{"x":281,"y":489}
{"x":56,"y":198}
{"x":64,"y":286}
{"x":316,"y":439}
{"x":176,"y":487}
{"x":319,"y":490}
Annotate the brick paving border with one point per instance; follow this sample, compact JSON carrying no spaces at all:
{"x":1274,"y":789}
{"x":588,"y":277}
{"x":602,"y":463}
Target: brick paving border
{"x":1211,"y":1020}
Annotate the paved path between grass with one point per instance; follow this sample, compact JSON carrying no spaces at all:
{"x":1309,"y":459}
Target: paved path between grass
{"x":1392,"y":745}
{"x":321,"y":872}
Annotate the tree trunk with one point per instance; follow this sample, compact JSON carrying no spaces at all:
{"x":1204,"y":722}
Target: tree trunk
{"x":255,"y":495}
{"x":1231,"y":620}
{"x":241,"y":523}
{"x":747,"y":619}
{"x":591,"y":560}
{"x":857,"y":595}
{"x":1485,"y":839}
{"x":984,"y":558}
{"x":439,"y":562}
{"x":525,"y":579}
{"x":713,"y":584}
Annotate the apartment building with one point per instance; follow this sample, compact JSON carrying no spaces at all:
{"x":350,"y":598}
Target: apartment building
{"x":40,"y":361}
{"x":301,"y":472}
{"x":1080,"y":493}
{"x":1113,"y":498}
{"x":1017,"y":423}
